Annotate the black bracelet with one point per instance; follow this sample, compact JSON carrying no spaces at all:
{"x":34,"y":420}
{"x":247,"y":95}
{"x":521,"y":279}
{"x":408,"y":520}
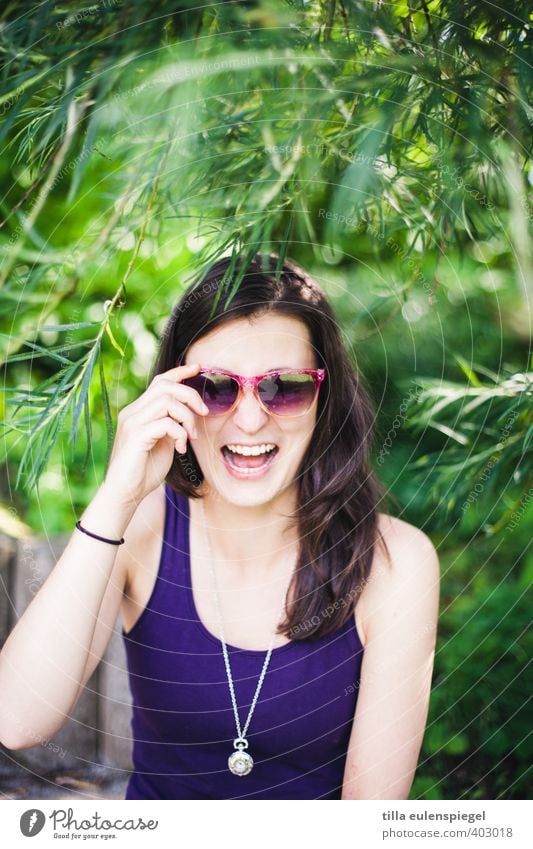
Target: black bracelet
{"x":102,"y":539}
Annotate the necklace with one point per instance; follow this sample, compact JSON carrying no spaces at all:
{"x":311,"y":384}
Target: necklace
{"x":240,"y":762}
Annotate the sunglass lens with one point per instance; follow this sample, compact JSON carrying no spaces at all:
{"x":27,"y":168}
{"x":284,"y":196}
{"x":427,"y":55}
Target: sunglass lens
{"x":216,"y":390}
{"x":287,"y":394}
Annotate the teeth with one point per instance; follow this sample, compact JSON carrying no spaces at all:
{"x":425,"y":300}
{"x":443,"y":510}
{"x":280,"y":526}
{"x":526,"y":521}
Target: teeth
{"x":251,"y":450}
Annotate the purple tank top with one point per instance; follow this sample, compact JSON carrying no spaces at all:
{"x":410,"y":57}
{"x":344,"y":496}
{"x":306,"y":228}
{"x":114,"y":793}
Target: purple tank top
{"x":183,"y":724}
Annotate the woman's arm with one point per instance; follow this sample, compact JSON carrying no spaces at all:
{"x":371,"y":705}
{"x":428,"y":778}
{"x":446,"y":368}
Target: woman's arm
{"x":45,"y":661}
{"x":62,"y":635}
{"x":401,"y":612}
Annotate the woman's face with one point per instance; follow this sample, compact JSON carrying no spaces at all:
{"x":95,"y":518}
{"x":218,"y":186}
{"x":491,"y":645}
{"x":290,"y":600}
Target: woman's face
{"x":250,"y":347}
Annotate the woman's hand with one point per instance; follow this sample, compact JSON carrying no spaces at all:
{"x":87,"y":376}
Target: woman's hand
{"x":148,"y":431}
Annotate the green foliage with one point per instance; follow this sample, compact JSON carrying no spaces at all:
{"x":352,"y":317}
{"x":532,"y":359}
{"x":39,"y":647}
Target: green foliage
{"x":478,"y":742}
{"x":248,"y":127}
{"x":387,"y":147}
{"x":307,"y":124}
{"x":488,"y":446}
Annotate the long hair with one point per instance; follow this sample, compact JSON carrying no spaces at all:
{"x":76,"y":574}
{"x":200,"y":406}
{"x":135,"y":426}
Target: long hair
{"x":338,"y":492}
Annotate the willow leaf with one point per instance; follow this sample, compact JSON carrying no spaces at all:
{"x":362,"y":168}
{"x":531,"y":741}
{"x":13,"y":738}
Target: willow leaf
{"x":83,"y":392}
{"x":107,"y":409}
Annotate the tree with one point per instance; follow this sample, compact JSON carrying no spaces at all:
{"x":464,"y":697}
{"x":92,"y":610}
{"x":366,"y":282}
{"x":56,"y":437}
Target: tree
{"x":253,"y":126}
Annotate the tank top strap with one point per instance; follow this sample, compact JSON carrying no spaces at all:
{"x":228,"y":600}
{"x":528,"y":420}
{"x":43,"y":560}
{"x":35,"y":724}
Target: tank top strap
{"x":175,"y":549}
{"x":172,"y":509}
{"x":172,"y":542}
{"x":168,"y":597}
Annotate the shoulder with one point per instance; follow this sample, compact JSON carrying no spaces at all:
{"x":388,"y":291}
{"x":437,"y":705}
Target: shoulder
{"x":404,"y":577}
{"x":144,"y":534}
{"x":403,"y":541}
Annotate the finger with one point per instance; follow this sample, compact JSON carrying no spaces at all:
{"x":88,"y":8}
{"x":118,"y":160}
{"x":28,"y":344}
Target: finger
{"x":161,"y":383}
{"x":165,"y":405}
{"x":167,"y":426}
{"x":179,"y":372}
{"x":166,"y":392}
{"x":184,"y":416}
{"x":186,"y":394}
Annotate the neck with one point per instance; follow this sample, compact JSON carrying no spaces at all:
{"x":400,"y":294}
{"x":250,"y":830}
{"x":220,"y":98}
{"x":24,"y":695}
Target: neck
{"x":259,"y":538}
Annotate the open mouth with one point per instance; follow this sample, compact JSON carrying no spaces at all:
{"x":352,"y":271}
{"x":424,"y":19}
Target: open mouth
{"x":250,"y":463}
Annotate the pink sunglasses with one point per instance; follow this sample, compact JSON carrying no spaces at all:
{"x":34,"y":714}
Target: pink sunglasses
{"x":281,"y":392}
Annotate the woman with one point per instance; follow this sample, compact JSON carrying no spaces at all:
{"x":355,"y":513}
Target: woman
{"x":279,"y":630}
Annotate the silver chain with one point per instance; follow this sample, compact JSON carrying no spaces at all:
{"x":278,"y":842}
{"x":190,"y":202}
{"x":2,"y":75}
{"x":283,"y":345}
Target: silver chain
{"x":242,"y":734}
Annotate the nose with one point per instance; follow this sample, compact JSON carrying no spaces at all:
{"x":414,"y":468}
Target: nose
{"x":249,"y":415}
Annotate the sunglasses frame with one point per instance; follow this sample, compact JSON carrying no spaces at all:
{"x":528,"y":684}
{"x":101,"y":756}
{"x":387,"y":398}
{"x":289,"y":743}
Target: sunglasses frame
{"x":318,"y":375}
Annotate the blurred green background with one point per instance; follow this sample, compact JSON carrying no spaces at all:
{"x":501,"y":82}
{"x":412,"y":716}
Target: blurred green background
{"x":387,"y":149}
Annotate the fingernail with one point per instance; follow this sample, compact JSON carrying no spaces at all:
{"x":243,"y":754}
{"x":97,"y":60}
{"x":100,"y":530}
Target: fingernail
{"x":205,"y":408}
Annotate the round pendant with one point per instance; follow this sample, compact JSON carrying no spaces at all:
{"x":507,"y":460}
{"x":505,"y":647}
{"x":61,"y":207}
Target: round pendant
{"x":240,"y":762}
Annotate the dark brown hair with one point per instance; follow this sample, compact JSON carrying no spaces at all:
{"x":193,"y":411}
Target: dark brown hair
{"x":338,"y":492}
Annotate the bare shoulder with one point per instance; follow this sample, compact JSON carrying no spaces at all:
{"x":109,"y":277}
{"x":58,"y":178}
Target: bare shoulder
{"x":403,"y":539}
{"x":143,"y":536}
{"x":405,"y":574}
